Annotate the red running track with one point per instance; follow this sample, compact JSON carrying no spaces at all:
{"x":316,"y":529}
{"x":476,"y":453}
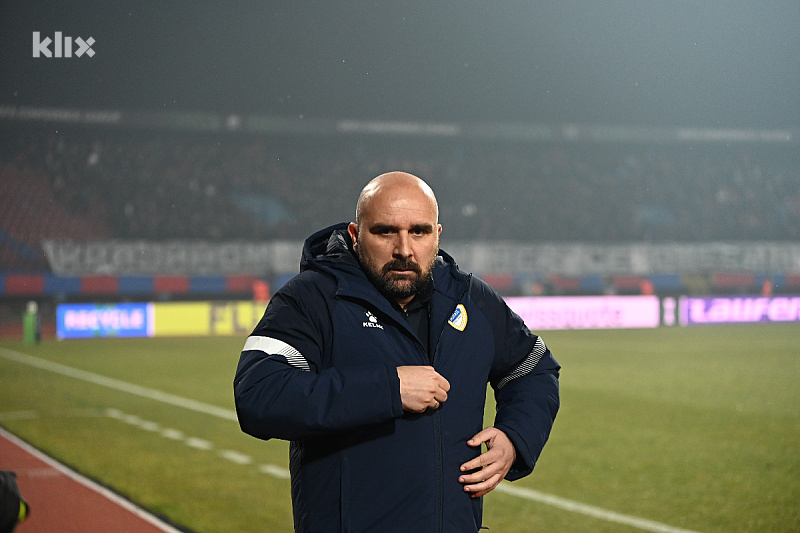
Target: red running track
{"x":63,"y":501}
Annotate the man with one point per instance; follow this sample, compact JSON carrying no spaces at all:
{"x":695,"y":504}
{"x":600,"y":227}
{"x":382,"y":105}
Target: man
{"x":374,"y":362}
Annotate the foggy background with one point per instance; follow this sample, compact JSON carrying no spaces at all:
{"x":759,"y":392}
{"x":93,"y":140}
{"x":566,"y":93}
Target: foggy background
{"x":713,"y":63}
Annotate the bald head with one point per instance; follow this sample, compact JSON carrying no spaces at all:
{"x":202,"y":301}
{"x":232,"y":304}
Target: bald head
{"x":395,"y":185}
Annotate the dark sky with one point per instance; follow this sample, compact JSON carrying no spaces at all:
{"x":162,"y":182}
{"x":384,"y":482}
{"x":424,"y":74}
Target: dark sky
{"x":673,"y":62}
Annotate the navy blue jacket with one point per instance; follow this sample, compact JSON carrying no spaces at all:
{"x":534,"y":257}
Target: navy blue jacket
{"x":320,"y":370}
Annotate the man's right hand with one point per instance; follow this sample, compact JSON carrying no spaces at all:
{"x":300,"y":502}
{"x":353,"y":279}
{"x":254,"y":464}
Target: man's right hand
{"x":421,"y":388}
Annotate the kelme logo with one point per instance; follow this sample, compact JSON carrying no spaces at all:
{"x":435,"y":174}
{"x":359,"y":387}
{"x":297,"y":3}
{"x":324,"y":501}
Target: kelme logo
{"x":459,"y":318}
{"x":372,"y":321}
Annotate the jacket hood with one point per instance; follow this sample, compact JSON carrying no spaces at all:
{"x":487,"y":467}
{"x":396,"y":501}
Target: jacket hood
{"x":327,"y":247}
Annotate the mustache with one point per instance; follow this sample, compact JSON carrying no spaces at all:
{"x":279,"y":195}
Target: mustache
{"x":401,"y":264}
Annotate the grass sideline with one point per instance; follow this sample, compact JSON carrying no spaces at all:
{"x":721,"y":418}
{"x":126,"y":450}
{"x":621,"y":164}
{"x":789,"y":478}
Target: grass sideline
{"x":698,"y":428}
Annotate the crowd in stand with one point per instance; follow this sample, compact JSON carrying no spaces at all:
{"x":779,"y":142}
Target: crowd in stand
{"x":178,"y":185}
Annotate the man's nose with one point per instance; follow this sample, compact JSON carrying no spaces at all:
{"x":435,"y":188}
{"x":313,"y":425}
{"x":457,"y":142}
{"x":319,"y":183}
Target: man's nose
{"x":402,"y":245}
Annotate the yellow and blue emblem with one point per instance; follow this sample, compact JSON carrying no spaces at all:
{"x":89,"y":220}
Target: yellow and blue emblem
{"x":459,"y":318}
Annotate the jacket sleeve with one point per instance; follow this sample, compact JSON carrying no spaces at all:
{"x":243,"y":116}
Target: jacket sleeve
{"x":284,"y":387}
{"x":526,"y":408}
{"x":525,"y":382}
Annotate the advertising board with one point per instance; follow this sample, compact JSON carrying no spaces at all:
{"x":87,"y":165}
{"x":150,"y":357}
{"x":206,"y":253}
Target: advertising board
{"x":587,"y":312}
{"x":707,"y":310}
{"x":76,"y":321}
{"x":164,"y":319}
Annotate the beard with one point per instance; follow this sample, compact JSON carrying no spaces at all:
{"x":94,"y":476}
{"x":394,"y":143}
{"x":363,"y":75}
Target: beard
{"x":395,"y":286}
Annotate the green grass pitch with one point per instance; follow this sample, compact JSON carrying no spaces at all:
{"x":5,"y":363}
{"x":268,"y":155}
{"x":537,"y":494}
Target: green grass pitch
{"x":696,"y":428}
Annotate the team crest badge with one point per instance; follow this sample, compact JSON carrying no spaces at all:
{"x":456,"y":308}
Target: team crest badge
{"x":459,"y":318}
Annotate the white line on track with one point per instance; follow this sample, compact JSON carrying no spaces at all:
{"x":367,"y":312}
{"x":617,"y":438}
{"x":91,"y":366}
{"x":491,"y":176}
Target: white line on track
{"x":229,"y":414}
{"x":197,"y":443}
{"x":108,"y":494}
{"x":236,"y":457}
{"x":589,"y":510}
{"x":200,"y":444}
{"x":275,"y":471}
{"x":124,"y":386}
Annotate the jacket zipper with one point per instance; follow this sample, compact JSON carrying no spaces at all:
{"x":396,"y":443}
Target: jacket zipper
{"x":437,"y":426}
{"x":437,"y":438}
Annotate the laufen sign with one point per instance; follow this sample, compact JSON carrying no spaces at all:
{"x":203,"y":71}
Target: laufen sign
{"x":738,"y":309}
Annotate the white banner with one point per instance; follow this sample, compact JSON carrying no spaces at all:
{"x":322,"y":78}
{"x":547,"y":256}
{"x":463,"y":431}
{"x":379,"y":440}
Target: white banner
{"x":626,"y":259}
{"x":72,"y":258}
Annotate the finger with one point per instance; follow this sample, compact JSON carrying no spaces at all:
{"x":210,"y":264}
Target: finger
{"x":476,"y":477}
{"x":480,"y":468}
{"x":440,"y":395}
{"x":483,"y":460}
{"x":443,"y":383}
{"x":482,"y":436}
{"x":491,"y":461}
{"x":483,"y":487}
{"x":478,"y":462}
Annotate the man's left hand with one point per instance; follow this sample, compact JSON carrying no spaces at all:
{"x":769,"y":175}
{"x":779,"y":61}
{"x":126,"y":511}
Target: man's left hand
{"x":492,"y":465}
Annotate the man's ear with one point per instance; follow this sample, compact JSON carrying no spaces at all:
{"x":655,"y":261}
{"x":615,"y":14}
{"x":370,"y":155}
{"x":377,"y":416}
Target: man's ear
{"x":352,"y":229}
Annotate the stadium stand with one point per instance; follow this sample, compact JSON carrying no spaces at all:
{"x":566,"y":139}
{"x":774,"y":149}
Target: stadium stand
{"x":95,"y":182}
{"x":86,"y":184}
{"x":31,"y":210}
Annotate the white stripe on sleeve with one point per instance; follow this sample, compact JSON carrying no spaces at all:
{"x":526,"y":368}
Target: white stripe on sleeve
{"x":527,"y":365}
{"x":272,"y":346}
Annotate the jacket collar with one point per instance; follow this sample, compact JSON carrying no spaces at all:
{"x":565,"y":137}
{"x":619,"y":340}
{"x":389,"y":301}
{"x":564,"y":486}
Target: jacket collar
{"x":331,"y":251}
